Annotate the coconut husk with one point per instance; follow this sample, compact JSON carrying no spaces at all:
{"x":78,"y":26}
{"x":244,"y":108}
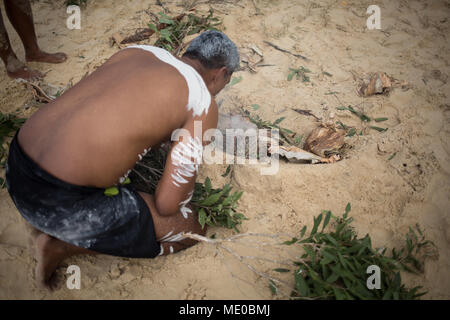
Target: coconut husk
{"x":325,"y":141}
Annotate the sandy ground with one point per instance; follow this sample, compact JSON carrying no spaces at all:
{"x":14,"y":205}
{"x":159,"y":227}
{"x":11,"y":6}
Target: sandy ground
{"x":387,"y":196}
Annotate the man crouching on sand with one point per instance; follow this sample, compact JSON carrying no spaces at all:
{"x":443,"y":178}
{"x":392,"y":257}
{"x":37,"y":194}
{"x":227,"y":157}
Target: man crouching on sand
{"x":68,"y":152}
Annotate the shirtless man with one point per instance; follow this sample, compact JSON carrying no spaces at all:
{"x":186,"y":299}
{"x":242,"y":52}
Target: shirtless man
{"x":69,"y":151}
{"x":20,"y":16}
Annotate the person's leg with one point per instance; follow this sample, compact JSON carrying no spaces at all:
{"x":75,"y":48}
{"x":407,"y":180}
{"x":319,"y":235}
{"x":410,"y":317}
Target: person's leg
{"x":49,"y":253}
{"x":167,"y":229}
{"x":14,"y":67}
{"x":21,"y":17}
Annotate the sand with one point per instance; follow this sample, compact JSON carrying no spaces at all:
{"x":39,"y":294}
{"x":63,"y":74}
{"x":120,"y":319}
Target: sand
{"x":387,"y":196}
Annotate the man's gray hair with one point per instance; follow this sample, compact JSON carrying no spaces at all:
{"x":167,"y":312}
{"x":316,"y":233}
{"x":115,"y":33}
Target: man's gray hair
{"x":214,"y":50}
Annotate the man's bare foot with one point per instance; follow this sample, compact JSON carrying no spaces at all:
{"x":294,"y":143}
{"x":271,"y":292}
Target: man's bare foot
{"x":49,"y":253}
{"x":42,"y":56}
{"x":16,"y":69}
{"x":33,"y":234}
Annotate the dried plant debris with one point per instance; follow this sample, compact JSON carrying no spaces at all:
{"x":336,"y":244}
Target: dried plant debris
{"x":43,"y":92}
{"x":376,"y":83}
{"x":251,"y":58}
{"x":295,"y":154}
{"x":325,"y":141}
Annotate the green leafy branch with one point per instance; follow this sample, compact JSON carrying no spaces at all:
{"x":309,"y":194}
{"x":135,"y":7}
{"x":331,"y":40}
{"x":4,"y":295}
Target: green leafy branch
{"x":364,"y":118}
{"x":300,"y":73}
{"x":285,"y":134}
{"x":217,"y":207}
{"x":334,"y":263}
{"x":171,"y":37}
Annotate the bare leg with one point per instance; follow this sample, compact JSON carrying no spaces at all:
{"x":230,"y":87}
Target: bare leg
{"x":172,"y":226}
{"x":20,"y":15}
{"x":14,"y":67}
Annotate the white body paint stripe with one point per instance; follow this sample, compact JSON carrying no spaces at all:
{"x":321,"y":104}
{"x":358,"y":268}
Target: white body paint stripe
{"x":185,"y":210}
{"x":199,"y":96}
{"x":186,"y":157}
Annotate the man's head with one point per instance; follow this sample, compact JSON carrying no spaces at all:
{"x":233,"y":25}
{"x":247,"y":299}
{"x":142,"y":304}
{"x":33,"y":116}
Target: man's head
{"x":218,"y":57}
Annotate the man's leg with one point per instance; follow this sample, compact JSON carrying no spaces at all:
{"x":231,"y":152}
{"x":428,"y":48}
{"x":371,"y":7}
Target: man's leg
{"x":14,"y":67}
{"x":49,"y":253}
{"x":21,"y":17}
{"x":167,"y":229}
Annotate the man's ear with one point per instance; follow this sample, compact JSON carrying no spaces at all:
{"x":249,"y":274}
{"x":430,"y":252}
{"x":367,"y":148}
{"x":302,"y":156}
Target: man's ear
{"x":220,"y":73}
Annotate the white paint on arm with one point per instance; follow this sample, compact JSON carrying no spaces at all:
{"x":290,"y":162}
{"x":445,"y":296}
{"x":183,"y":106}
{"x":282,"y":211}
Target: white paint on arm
{"x":186,"y":157}
{"x":184,"y":209}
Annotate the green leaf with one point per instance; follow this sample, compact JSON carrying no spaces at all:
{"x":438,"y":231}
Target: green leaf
{"x":165,"y":19}
{"x":378,"y":129}
{"x":316,"y":224}
{"x":294,"y":240}
{"x":127,"y":181}
{"x":202,"y":217}
{"x":347,"y":210}
{"x":327,"y":220}
{"x":351,"y":132}
{"x":331,"y":239}
{"x":112,"y":191}
{"x":380,"y":119}
{"x":332,"y":278}
{"x":273,"y":287}
{"x":153,"y":27}
{"x":208,"y":185}
{"x":291,"y":75}
{"x":235,"y":81}
{"x":339,"y":294}
{"x":279,"y":120}
{"x":300,"y":284}
{"x":281,"y":270}
{"x":212,"y":199}
{"x":227,"y":171}
{"x":302,"y":233}
{"x":342,"y":108}
{"x":255,"y":107}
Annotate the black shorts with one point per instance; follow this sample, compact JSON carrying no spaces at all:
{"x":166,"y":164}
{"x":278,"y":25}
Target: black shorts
{"x":120,"y":225}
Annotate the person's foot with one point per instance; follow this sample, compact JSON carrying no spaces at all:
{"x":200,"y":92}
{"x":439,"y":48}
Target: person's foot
{"x":16,"y":69}
{"x":42,"y":56}
{"x":33,"y":234}
{"x":49,"y":253}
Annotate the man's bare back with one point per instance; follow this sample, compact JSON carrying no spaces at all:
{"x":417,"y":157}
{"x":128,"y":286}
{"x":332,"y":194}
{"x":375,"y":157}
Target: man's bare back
{"x":93,"y":133}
